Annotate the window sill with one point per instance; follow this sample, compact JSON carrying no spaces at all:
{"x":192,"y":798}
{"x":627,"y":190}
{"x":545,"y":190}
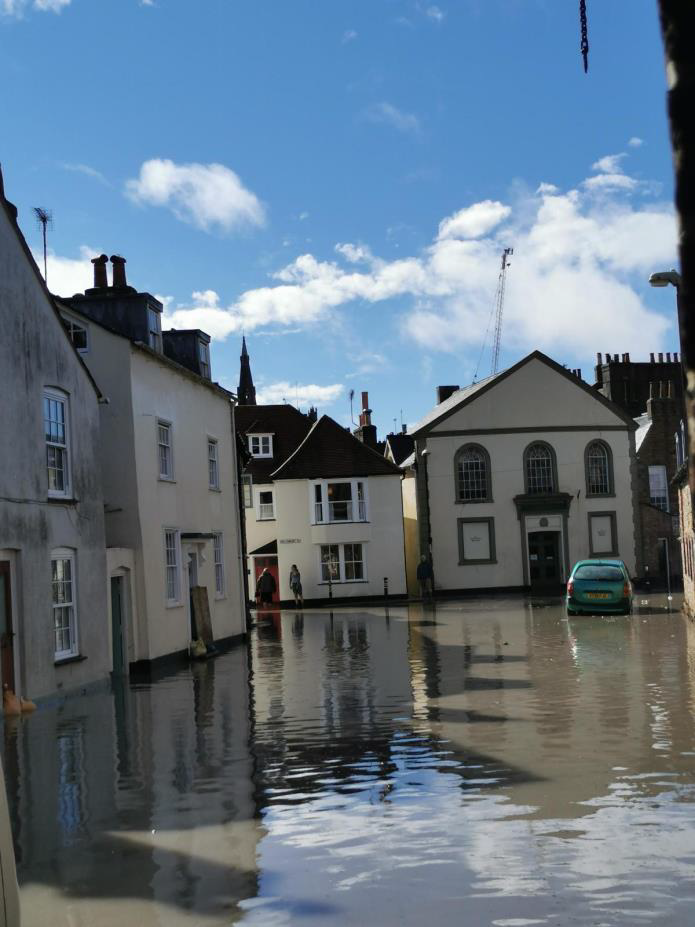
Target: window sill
{"x":476,"y":562}
{"x":600,"y":495}
{"x":266,"y":519}
{"x":75,"y":658}
{"x":214,"y":489}
{"x":473,"y":501}
{"x":166,"y":479}
{"x":62,"y":500}
{"x":220,"y":598}
{"x":174,"y":605}
{"x":322,"y":524}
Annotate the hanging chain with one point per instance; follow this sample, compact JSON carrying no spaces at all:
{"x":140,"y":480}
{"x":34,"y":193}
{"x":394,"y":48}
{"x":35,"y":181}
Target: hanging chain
{"x":585,"y":34}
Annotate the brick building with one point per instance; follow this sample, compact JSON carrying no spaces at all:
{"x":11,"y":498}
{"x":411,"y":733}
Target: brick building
{"x":652,"y":392}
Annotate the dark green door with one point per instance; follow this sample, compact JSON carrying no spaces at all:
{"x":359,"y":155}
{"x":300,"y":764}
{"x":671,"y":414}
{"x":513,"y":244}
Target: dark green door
{"x":119,"y":662}
{"x":544,"y":560}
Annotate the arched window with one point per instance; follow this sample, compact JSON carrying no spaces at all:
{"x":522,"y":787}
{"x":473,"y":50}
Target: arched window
{"x":539,"y":469}
{"x":472,"y":469}
{"x":599,"y":472}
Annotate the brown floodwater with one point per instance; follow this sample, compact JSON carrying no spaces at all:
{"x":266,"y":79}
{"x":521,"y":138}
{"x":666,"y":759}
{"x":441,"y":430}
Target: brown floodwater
{"x":482,"y":763}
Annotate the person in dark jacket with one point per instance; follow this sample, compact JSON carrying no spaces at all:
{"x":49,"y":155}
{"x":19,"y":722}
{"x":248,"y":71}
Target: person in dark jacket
{"x":265,"y":588}
{"x":425,"y":577}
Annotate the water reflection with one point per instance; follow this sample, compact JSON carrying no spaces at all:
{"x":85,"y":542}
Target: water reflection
{"x":365,"y":767}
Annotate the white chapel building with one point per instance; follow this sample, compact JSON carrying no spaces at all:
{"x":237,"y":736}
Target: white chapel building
{"x":520,"y":475}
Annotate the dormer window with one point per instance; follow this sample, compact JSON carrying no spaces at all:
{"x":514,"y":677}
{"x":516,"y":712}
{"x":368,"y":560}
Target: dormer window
{"x":154,"y":330}
{"x":77,"y":333}
{"x":204,"y":359}
{"x":261,"y":445}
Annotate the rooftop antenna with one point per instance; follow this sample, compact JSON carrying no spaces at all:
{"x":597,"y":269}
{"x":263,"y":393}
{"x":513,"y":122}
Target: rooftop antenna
{"x":44,"y":218}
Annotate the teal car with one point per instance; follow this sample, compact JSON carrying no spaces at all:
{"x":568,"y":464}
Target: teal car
{"x":599,"y":587}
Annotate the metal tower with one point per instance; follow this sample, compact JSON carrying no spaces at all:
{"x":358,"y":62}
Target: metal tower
{"x":499,"y":308}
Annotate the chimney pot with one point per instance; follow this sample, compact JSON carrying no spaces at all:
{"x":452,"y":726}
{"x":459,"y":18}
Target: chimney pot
{"x":651,"y":358}
{"x":668,"y":357}
{"x":579,"y":372}
{"x":599,"y":358}
{"x":100,"y":278}
{"x":661,"y":358}
{"x":627,"y":357}
{"x":675,"y":357}
{"x":404,"y":429}
{"x":615,"y":358}
{"x":652,"y":391}
{"x":118,"y":264}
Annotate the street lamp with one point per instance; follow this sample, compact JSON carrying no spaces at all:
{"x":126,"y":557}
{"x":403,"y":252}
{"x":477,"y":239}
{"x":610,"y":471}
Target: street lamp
{"x":664,"y":277}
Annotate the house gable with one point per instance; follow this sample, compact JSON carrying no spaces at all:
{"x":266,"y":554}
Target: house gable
{"x":537,"y":394}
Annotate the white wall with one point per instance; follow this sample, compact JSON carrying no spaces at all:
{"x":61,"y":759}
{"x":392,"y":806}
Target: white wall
{"x":35,"y":353}
{"x":186,"y":503}
{"x":534,"y":393}
{"x":381,"y":536}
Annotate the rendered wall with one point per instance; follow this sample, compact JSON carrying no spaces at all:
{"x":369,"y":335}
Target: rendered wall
{"x":35,"y":353}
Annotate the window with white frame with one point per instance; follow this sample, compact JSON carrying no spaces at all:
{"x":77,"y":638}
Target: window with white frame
{"x":154,"y":330}
{"x":266,"y":505}
{"x":204,"y":359}
{"x":342,"y":563}
{"x":261,"y":445}
{"x":172,"y":560}
{"x":658,"y":487}
{"x":56,"y":430}
{"x":247,"y":489}
{"x":339,"y":500}
{"x":77,"y":333}
{"x":64,"y":603}
{"x":213,"y":470}
{"x":165,"y":451}
{"x":219,"y":565}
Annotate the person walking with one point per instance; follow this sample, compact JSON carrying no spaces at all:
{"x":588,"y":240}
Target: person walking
{"x":425,"y":577}
{"x":296,"y":585}
{"x":265,"y":588}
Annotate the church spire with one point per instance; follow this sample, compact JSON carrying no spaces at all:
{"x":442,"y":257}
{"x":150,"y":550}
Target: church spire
{"x":246,"y":393}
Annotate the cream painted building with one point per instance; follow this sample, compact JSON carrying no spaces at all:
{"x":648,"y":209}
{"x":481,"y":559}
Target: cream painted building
{"x":169,"y":473}
{"x":319,"y":498}
{"x":521,"y":475}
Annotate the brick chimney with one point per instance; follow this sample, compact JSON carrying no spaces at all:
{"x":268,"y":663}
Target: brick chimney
{"x":101,"y":280}
{"x":118,"y":263}
{"x":443,"y":392}
{"x":366,"y":433}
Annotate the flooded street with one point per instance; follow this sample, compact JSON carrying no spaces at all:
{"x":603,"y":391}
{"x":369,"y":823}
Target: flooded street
{"x":484,"y":762}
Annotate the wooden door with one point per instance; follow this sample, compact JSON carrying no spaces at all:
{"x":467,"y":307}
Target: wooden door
{"x":117,"y":622}
{"x":6,"y":627}
{"x":260,"y":563}
{"x":544,"y":559}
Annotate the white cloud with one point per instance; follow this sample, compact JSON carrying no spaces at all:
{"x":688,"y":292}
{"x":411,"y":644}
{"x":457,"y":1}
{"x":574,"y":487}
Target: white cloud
{"x":635,"y":142}
{"x":208,"y":196}
{"x":388,"y":114}
{"x":87,"y":171}
{"x":435,"y":13}
{"x":579,"y":270}
{"x":303,"y":215}
{"x":18,"y":7}
{"x":349,"y":36}
{"x":609,"y":164}
{"x":299,"y":394}
{"x":473,"y":221}
{"x":67,"y":276}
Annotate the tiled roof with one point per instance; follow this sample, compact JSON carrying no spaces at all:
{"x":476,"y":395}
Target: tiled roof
{"x":287,"y":425}
{"x":401,"y":446}
{"x":330,"y":450}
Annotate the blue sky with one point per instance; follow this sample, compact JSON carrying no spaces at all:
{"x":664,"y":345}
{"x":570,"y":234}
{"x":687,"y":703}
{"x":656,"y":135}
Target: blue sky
{"x":338,"y":179}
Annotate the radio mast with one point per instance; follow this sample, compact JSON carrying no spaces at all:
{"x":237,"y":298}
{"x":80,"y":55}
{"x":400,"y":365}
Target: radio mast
{"x":499,"y":308}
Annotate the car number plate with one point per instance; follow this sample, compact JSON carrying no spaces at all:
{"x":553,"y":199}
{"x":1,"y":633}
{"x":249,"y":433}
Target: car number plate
{"x":598,"y":595}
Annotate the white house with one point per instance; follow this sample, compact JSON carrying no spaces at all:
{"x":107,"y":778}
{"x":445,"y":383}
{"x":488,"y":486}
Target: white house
{"x":169,"y":473}
{"x":319,"y":498}
{"x":53,"y":610}
{"x":522,"y":474}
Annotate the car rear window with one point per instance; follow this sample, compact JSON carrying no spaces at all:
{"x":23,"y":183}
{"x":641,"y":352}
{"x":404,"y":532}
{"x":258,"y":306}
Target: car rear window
{"x":605,"y":574}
